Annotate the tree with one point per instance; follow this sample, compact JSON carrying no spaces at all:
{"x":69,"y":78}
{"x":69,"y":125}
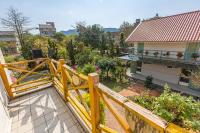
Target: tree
{"x":26,"y":49}
{"x":83,"y":57}
{"x":106,"y":64}
{"x":102,"y":44}
{"x":126,"y":28}
{"x":59,"y":36}
{"x":16,"y":21}
{"x":52,"y":49}
{"x":41,"y":42}
{"x":122,"y":42}
{"x":117,"y":50}
{"x":90,"y":35}
{"x":71,"y":53}
{"x":111,"y":44}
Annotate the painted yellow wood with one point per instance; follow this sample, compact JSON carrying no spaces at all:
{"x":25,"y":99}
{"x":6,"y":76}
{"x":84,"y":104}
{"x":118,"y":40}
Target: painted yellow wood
{"x":26,"y":71}
{"x":134,"y":108}
{"x":68,"y":76}
{"x":31,"y":82}
{"x":80,"y":107}
{"x":26,"y":61}
{"x":84,"y":77}
{"x":52,"y":71}
{"x":118,"y":117}
{"x":87,"y":122}
{"x":106,"y":129}
{"x":27,"y":74}
{"x":83,"y":102}
{"x":64,"y":77}
{"x":172,"y":128}
{"x":93,"y":80}
{"x":32,"y":86}
{"x":79,"y":87}
{"x":5,"y":81}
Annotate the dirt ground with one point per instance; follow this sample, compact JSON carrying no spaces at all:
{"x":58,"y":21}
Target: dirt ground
{"x":133,"y":90}
{"x":137,"y":89}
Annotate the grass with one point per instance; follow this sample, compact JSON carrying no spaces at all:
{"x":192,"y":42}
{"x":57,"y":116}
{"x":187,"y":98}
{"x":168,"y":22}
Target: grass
{"x":114,"y":85}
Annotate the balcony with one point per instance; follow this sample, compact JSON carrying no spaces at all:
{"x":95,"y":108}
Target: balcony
{"x":46,"y":95}
{"x":167,"y":57}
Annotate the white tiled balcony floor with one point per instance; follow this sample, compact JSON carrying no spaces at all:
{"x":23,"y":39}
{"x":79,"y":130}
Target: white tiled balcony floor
{"x":42,"y":112}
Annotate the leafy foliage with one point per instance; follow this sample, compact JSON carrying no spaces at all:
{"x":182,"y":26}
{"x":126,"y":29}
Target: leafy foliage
{"x":126,"y":28}
{"x":106,"y":64}
{"x":173,"y":107}
{"x":71,"y":53}
{"x":122,"y":40}
{"x":83,"y":57}
{"x":86,"y":98}
{"x":195,"y":78}
{"x":88,"y":68}
{"x":52,"y":49}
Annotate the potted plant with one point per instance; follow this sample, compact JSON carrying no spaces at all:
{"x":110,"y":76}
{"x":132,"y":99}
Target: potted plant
{"x":179,"y":55}
{"x":146,"y":52}
{"x":155,"y":54}
{"x":195,"y":56}
{"x":167,"y":53}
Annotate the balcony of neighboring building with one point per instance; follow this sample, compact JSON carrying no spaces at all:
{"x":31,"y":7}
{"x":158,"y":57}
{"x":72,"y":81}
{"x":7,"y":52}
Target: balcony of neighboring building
{"x":168,"y":57}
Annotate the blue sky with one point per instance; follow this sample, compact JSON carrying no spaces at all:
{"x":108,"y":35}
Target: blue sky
{"x":108,"y":13}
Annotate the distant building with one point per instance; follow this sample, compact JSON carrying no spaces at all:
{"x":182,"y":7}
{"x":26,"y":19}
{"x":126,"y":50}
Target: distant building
{"x":47,"y":29}
{"x":11,"y":41}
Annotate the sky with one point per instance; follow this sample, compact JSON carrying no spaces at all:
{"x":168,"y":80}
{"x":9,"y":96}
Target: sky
{"x":108,"y":13}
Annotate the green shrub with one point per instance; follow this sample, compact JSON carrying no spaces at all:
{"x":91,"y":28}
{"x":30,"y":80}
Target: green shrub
{"x":86,"y":97}
{"x":9,"y":58}
{"x":144,"y":100}
{"x":88,"y":68}
{"x":181,"y":110}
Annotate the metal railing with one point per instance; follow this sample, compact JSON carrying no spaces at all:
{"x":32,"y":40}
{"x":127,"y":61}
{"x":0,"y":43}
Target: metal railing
{"x":168,"y":55}
{"x":73,"y":86}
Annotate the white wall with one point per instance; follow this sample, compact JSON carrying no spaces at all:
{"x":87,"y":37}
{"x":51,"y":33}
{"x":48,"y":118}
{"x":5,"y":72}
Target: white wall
{"x":5,"y":124}
{"x":161,"y":72}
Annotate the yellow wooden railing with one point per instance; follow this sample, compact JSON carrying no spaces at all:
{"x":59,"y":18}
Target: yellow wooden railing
{"x":70,"y":84}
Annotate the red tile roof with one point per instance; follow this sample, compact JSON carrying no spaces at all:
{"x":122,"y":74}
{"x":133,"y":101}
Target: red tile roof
{"x":180,"y":27}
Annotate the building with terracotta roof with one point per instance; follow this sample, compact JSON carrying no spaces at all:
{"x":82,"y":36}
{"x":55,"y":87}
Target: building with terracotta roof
{"x":168,"y":48}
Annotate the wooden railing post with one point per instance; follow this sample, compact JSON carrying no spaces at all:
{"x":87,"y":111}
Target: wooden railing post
{"x":93,"y":79}
{"x":5,"y":81}
{"x":64,"y":77}
{"x":51,"y":67}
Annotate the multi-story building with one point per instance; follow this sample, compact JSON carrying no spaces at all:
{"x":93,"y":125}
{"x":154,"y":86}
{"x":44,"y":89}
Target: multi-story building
{"x":10,"y":40}
{"x":47,"y":29}
{"x":168,"y":48}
